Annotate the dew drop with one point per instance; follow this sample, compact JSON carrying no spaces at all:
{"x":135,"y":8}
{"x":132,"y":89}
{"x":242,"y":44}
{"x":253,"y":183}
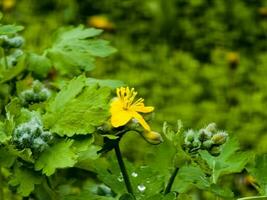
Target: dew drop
{"x":120,"y":179}
{"x":141,"y":188}
{"x":134,"y":174}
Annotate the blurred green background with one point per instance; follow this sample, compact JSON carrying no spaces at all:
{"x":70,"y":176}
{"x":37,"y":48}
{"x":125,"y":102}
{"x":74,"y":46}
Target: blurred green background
{"x":199,"y":61}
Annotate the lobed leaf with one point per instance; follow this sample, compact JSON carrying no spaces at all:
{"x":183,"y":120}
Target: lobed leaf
{"x":60,"y":155}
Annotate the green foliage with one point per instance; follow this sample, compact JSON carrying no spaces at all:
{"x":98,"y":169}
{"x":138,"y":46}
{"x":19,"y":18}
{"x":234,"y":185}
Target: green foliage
{"x":258,"y":171}
{"x":209,"y":65}
{"x":229,"y":161}
{"x":73,"y":50}
{"x":25,"y":179}
{"x":59,"y":155}
{"x":80,"y":111}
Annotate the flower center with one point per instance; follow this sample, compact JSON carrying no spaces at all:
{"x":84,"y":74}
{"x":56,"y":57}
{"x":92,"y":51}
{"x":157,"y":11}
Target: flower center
{"x":127,"y":97}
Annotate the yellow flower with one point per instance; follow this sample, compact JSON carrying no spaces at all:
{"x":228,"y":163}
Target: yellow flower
{"x":124,"y":108}
{"x":8,"y":4}
{"x":101,"y":22}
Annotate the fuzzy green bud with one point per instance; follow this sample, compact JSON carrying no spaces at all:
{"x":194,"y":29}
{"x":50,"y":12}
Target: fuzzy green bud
{"x":204,"y":135}
{"x":196,"y":143}
{"x":15,"y":42}
{"x":189,"y":136}
{"x":207,"y":144}
{"x":215,"y":151}
{"x":219,"y":138}
{"x":152,"y":137}
{"x":211,"y":127}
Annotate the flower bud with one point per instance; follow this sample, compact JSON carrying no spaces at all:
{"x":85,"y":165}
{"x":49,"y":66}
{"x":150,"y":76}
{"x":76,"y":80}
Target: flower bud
{"x":3,"y":40}
{"x":15,"y":42}
{"x":196,"y":143}
{"x":207,"y":144}
{"x":219,"y":138}
{"x":215,"y":151}
{"x":189,"y":136}
{"x":211,"y":127}
{"x":204,"y":135}
{"x":152,"y":137}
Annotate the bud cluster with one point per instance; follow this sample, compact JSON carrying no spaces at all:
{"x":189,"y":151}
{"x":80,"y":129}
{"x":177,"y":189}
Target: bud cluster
{"x":11,"y":47}
{"x":32,"y":135}
{"x":208,"y":138}
{"x":36,"y":94}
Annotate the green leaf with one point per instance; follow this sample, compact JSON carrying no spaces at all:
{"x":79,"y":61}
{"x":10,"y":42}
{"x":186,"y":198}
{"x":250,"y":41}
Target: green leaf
{"x":229,"y":161}
{"x":74,"y":50}
{"x":7,"y":157}
{"x":170,"y":196}
{"x":189,"y":176}
{"x":3,"y":136}
{"x":105,"y":83}
{"x":39,"y":65}
{"x":127,"y":197}
{"x":59,"y":155}
{"x":175,"y":139}
{"x":67,"y":93}
{"x":25,"y":180}
{"x":11,"y":73}
{"x":84,"y":148}
{"x":80,"y":115}
{"x":258,"y":171}
{"x":221,"y":191}
{"x":10,"y":29}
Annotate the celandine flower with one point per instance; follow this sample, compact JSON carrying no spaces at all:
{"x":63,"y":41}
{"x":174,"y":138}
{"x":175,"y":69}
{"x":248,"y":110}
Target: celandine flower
{"x":124,"y":108}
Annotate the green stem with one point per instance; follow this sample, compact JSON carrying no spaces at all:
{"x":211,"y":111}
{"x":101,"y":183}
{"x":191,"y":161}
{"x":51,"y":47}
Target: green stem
{"x":123,"y":169}
{"x":1,"y":186}
{"x":171,"y":180}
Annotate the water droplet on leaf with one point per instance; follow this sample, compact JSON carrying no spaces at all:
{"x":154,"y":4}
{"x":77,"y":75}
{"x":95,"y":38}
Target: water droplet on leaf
{"x":141,"y":188}
{"x":134,"y":174}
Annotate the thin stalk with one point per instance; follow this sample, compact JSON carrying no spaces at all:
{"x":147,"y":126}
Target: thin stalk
{"x":123,"y":169}
{"x":171,"y":180}
{"x":1,"y":187}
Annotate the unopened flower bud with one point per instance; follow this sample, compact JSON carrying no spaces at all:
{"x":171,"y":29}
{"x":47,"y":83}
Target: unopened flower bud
{"x":152,"y":137}
{"x":189,"y":135}
{"x":16,"y":42}
{"x":204,"y":135}
{"x":219,"y":138}
{"x":215,"y":151}
{"x":207,"y":144}
{"x":211,"y":127}
{"x":196,"y":143}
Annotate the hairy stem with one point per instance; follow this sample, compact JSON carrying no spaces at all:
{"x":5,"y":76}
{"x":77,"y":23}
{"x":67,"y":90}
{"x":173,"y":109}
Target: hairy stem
{"x":171,"y":180}
{"x":123,"y":169}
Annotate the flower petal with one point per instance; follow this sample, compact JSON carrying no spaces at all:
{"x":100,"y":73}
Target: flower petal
{"x":120,"y":118}
{"x":141,"y":120}
{"x":142,"y":108}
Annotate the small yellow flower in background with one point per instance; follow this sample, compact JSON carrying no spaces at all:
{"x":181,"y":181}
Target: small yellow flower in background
{"x":101,"y":22}
{"x":233,"y":57}
{"x":8,"y":4}
{"x":124,"y":108}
